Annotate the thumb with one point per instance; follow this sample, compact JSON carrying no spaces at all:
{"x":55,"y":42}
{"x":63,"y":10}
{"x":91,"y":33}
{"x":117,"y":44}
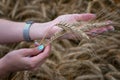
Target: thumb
{"x":42,"y":56}
{"x":33,"y":51}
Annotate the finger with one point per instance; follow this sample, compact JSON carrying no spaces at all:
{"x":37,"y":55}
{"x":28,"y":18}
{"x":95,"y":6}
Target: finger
{"x":96,"y":31}
{"x":41,"y":56}
{"x":39,"y":64}
{"x":84,"y":17}
{"x":32,"y":51}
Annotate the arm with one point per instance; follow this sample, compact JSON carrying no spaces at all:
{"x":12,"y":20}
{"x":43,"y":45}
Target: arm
{"x":13,"y":31}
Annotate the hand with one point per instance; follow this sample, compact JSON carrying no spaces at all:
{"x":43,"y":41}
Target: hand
{"x":39,"y":31}
{"x":23,"y":59}
{"x":72,"y":18}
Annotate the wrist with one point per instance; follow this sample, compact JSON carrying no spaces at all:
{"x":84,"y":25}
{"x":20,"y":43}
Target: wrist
{"x":40,"y":30}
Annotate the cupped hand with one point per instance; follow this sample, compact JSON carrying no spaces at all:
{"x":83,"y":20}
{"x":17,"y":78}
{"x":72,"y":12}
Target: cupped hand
{"x":24,"y":59}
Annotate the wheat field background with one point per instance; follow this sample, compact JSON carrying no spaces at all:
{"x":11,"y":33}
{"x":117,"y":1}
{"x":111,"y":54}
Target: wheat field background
{"x":96,"y":59}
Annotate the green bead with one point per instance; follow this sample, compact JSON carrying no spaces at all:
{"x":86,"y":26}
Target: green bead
{"x":41,"y":47}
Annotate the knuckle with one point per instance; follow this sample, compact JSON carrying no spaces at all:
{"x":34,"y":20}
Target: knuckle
{"x":11,"y":54}
{"x":24,"y":50}
{"x":27,"y":50}
{"x":32,"y":65}
{"x":46,"y":55}
{"x":33,"y":50}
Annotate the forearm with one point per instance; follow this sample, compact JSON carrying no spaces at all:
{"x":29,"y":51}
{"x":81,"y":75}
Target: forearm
{"x":13,"y":31}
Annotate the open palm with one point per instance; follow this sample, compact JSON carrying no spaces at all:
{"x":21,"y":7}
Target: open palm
{"x":72,"y":18}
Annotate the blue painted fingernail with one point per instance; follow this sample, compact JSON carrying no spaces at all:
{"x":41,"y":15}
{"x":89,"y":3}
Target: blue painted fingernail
{"x":41,"y":47}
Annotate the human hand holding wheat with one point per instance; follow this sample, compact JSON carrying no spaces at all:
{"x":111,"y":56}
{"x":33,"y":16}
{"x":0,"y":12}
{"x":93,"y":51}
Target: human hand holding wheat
{"x":73,"y":18}
{"x":48,"y":29}
{"x":23,"y":59}
{"x":55,"y":29}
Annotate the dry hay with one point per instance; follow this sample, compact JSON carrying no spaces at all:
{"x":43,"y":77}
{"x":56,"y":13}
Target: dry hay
{"x":96,"y":59}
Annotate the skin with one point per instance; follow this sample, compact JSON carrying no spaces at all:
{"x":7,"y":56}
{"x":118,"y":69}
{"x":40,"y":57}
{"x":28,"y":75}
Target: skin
{"x":29,"y":59}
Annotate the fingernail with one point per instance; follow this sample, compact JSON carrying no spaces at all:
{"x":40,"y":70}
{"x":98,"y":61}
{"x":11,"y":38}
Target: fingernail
{"x":41,"y":47}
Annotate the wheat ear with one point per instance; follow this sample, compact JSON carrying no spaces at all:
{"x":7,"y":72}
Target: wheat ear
{"x":70,"y":28}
